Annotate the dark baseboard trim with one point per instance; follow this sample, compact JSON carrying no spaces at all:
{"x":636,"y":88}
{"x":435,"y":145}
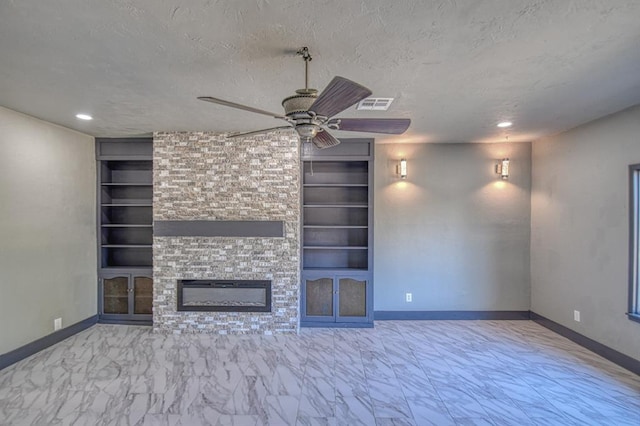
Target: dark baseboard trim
{"x":604,"y":351}
{"x":451,"y":315}
{"x":37,"y":345}
{"x":312,"y":324}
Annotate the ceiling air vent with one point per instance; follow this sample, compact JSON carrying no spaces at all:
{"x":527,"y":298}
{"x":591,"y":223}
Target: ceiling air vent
{"x":374,"y":104}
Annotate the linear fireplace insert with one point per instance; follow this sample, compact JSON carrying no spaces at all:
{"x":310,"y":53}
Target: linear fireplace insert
{"x":224,"y":295}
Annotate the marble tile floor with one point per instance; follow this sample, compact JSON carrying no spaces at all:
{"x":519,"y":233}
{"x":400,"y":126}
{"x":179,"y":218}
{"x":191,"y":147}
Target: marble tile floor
{"x":399,"y":373}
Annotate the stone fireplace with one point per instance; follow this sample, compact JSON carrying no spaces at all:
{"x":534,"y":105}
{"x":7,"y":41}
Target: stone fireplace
{"x":226,"y":211}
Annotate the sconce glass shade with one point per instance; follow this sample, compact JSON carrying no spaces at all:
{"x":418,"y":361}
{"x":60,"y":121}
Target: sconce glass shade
{"x":502,"y":168}
{"x":402,"y":169}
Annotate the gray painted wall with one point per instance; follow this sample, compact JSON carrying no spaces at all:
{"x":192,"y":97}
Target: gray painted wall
{"x":47,"y":228}
{"x":453,"y":234}
{"x":579,"y":228}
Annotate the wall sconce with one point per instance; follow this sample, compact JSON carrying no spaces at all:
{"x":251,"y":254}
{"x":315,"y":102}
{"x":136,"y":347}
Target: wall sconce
{"x":502,"y":168}
{"x":401,"y":169}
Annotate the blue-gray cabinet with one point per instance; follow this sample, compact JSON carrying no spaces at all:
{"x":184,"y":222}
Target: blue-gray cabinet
{"x":337,"y":235}
{"x":334,"y":299}
{"x":126,"y":296}
{"x":125,"y":229}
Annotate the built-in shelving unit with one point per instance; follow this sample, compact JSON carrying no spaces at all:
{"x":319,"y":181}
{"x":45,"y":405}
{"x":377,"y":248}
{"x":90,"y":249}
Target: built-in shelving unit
{"x":125,"y":194}
{"x":337,"y":235}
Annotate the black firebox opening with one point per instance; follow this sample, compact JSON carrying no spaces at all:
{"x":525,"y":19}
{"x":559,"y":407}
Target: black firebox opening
{"x":224,"y":295}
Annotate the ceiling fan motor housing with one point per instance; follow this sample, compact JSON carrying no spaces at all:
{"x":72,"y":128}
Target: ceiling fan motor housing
{"x":297,"y":106}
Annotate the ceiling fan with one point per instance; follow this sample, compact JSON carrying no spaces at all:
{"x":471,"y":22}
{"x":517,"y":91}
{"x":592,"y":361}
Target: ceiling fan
{"x":310,"y":113}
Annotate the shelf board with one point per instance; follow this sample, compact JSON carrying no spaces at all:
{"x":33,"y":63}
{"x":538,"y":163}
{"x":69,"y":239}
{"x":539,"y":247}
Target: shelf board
{"x":126,"y":225}
{"x":336,"y":247}
{"x":122,"y":269}
{"x":335,"y":226}
{"x":354,"y":206}
{"x":126,"y":246}
{"x":125,"y":184}
{"x":127,"y":205}
{"x":336,"y":185}
{"x":135,"y":164}
{"x":336,"y":269}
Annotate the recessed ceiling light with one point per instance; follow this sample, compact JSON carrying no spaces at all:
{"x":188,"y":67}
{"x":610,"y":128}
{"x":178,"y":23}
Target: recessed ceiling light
{"x":84,"y":117}
{"x":505,"y":124}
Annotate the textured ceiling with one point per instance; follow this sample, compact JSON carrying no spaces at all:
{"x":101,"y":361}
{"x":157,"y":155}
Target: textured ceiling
{"x":456,"y":68}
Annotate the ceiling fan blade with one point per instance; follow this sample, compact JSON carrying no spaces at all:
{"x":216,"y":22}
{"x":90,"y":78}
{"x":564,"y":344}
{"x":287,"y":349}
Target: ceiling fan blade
{"x":255,"y":132}
{"x":240,"y":106}
{"x":339,"y":95}
{"x":392,"y":126}
{"x":324,"y":140}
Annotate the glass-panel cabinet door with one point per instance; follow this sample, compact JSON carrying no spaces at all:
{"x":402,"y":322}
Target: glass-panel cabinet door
{"x":352,"y":298}
{"x":115,"y":295}
{"x":142,"y":295}
{"x":319,"y":297}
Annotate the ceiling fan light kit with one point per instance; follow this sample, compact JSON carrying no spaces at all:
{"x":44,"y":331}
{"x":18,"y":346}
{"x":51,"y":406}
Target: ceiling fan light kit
{"x":310,"y":113}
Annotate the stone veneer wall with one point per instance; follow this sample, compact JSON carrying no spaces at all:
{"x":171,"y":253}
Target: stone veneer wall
{"x":204,"y":176}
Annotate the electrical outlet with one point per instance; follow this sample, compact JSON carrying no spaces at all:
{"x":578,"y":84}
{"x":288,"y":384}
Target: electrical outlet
{"x":57,"y":324}
{"x":408,"y":297}
{"x":576,"y":316}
